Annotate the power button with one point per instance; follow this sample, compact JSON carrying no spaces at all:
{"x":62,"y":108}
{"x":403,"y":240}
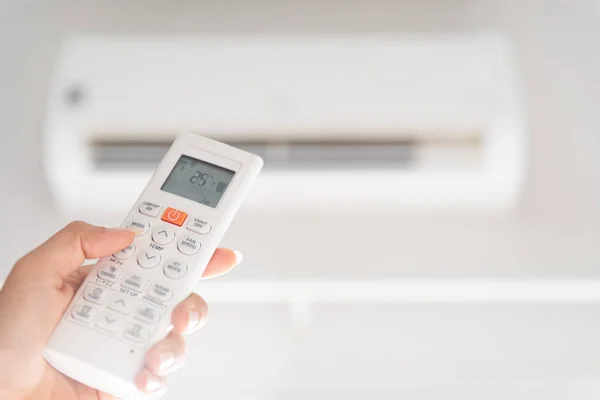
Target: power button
{"x":174,"y":216}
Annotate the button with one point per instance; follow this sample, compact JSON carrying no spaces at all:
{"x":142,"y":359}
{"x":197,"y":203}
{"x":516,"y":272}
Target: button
{"x":146,"y":313}
{"x":199,"y":226}
{"x":109,"y":273}
{"x":189,"y":245}
{"x":109,"y":322}
{"x":136,"y":332}
{"x":175,"y":269}
{"x":125,"y":253}
{"x":94,"y":293}
{"x":121,"y":303}
{"x":160,"y":292}
{"x":149,"y":258}
{"x":150,"y":209}
{"x":83,"y":312}
{"x":174,"y":216}
{"x":140,"y":225}
{"x":134,"y":282}
{"x":163,"y":235}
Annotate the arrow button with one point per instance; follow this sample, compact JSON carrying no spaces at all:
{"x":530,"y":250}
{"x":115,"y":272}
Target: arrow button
{"x":120,"y":303}
{"x":109,"y":322}
{"x":162,"y":235}
{"x":149,"y":258}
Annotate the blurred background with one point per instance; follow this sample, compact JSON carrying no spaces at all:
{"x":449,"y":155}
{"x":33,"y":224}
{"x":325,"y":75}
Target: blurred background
{"x":427,"y":223}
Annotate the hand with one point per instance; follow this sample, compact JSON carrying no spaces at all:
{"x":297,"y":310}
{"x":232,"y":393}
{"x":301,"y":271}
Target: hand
{"x":39,"y":289}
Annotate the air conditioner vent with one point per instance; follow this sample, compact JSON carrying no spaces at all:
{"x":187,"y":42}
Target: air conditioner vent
{"x":401,"y":153}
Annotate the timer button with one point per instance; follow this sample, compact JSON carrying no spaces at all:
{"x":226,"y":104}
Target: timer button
{"x":174,"y":216}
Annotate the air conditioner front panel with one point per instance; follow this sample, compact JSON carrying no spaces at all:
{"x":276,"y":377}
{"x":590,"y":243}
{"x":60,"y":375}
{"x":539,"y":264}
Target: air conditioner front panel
{"x":452,"y":102}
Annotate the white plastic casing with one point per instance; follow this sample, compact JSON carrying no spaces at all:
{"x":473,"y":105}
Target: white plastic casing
{"x":109,"y":361}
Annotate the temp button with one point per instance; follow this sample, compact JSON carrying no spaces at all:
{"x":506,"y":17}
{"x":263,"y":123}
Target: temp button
{"x":174,"y":216}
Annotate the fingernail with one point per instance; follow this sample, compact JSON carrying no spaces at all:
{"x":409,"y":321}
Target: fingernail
{"x":193,"y":320}
{"x":166,"y":360}
{"x":152,"y":384}
{"x":239,"y":257}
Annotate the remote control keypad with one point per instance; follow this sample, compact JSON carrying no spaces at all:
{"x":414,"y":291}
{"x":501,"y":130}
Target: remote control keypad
{"x":130,"y":303}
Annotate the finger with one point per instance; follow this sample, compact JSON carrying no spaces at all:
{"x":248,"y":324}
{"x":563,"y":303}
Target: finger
{"x":147,"y":382}
{"x":67,"y":250}
{"x":222,"y":261}
{"x":189,"y":315}
{"x":166,"y":356}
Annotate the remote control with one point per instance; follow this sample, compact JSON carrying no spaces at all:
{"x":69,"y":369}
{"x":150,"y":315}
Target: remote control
{"x":124,"y":305}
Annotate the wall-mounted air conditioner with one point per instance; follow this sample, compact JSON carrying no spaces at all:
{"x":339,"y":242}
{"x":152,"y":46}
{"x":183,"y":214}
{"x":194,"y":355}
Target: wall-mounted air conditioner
{"x":343,"y":122}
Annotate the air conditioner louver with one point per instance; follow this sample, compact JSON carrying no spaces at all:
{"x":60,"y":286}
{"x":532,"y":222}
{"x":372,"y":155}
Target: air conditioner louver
{"x":403,"y":153}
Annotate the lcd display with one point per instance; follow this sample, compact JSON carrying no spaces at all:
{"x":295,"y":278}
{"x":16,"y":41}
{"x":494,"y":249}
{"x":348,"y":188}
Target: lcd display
{"x":198,"y":180}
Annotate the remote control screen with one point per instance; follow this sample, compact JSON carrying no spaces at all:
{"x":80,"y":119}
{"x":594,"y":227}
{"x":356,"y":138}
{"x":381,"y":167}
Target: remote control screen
{"x":198,"y":180}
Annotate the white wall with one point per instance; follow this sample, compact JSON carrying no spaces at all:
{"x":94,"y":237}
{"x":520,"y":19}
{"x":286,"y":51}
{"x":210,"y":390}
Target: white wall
{"x":421,"y":351}
{"x":557,"y":42}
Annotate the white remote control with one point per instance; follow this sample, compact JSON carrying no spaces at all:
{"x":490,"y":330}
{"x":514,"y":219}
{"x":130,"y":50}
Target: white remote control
{"x":124,"y":306}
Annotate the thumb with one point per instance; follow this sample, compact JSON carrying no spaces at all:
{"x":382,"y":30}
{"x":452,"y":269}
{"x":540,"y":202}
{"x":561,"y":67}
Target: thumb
{"x":35,"y":295}
{"x":59,"y":256}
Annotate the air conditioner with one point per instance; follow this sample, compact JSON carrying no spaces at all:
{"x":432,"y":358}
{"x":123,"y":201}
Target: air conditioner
{"x":343,"y":122}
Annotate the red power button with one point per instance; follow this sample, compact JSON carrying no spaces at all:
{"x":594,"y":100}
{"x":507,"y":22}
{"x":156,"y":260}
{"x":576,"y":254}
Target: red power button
{"x":174,"y":216}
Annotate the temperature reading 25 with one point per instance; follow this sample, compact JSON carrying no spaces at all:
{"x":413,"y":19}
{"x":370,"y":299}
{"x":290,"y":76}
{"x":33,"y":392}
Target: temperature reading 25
{"x":199,"y":178}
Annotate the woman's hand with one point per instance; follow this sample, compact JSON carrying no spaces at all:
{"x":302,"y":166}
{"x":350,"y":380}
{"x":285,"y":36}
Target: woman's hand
{"x":39,"y":289}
